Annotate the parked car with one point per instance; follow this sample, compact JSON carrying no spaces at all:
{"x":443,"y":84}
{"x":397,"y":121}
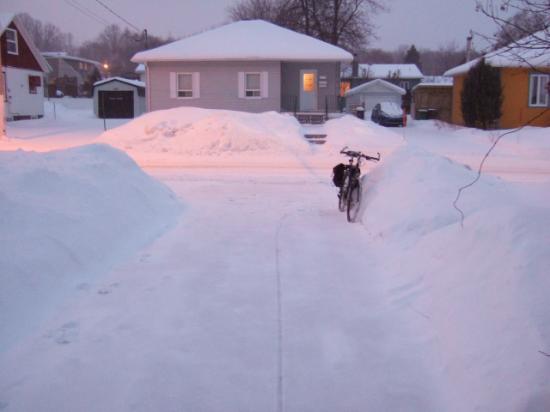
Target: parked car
{"x":387,"y":114}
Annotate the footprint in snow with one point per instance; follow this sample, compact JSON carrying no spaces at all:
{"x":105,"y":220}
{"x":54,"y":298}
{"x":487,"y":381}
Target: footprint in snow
{"x":3,"y":405}
{"x":67,"y":333}
{"x":108,"y":289}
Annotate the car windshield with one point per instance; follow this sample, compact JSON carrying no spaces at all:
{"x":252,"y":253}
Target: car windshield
{"x":391,"y":108}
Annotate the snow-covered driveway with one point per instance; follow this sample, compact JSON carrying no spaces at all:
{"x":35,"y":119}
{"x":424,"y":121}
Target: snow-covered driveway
{"x":192,"y":322}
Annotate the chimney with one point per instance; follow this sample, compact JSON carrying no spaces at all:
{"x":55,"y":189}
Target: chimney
{"x":355,"y":66}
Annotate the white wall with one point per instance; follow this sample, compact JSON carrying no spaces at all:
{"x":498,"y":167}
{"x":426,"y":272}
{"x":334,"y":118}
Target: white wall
{"x":20,"y":101}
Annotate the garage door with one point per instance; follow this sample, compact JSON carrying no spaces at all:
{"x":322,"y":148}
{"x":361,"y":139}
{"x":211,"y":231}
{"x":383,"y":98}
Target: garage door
{"x":116,"y":104}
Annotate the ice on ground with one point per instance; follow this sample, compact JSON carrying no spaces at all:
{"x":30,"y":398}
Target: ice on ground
{"x":66,"y":216}
{"x":481,"y":289}
{"x":188,"y":134}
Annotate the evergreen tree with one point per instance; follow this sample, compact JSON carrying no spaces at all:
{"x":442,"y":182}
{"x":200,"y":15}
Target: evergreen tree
{"x":481,"y":96}
{"x":413,"y":57}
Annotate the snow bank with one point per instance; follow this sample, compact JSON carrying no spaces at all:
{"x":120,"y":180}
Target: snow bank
{"x":193,"y":135}
{"x":66,"y":216}
{"x":360,"y":135}
{"x":480,"y":293}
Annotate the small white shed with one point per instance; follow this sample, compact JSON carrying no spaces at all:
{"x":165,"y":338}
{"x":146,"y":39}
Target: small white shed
{"x":373,"y":92}
{"x":119,"y":98}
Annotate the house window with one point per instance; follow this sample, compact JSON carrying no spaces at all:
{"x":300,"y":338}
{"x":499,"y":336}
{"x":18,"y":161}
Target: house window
{"x":252,"y":85}
{"x":309,"y":82}
{"x":405,"y":84}
{"x":34,"y":83}
{"x":185,"y":85}
{"x":11,"y":41}
{"x":538,"y":90}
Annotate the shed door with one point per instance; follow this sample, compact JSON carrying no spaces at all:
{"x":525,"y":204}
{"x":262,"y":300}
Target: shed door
{"x":117,"y":104}
{"x":308,"y":90}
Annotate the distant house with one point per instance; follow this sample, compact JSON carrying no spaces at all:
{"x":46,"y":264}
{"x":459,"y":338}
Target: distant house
{"x":525,"y":74}
{"x":23,"y":68}
{"x":71,"y":75}
{"x":119,"y":98}
{"x":140,"y":72}
{"x":251,"y":66}
{"x":433,"y":98}
{"x":405,"y":76}
{"x":376,"y":91}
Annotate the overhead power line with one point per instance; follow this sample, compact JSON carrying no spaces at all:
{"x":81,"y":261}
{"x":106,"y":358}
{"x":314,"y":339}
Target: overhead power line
{"x":119,"y":16}
{"x":87,"y":12}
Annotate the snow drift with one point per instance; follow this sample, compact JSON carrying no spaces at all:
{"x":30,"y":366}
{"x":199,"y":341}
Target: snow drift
{"x":66,"y":216}
{"x":367,"y":137}
{"x":479,"y":293}
{"x":198,"y":136}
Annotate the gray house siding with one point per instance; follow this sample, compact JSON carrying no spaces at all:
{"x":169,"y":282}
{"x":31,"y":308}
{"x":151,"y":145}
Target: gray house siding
{"x":328,"y":94}
{"x":219,"y":85}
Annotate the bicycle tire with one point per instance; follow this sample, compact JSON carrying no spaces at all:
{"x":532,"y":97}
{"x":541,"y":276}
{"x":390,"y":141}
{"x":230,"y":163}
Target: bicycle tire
{"x":343,"y":195}
{"x":354,"y":201}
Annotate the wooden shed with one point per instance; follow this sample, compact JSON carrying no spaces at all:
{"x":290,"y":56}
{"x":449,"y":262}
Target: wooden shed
{"x":433,"y":100}
{"x":119,"y":98}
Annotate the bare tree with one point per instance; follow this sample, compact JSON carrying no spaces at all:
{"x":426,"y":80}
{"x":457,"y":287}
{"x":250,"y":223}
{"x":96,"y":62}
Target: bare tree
{"x":116,"y":47}
{"x":346,"y":23}
{"x":530,"y":19}
{"x":46,"y":36}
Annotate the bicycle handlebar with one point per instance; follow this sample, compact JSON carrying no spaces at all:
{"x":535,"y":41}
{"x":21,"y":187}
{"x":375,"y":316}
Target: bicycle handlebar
{"x":352,"y":153}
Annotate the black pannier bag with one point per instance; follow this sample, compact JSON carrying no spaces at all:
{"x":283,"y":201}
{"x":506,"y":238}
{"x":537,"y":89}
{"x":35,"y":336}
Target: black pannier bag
{"x":338,"y":174}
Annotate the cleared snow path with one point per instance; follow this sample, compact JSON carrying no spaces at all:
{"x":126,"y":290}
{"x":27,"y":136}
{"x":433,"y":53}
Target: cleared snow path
{"x":191,"y":323}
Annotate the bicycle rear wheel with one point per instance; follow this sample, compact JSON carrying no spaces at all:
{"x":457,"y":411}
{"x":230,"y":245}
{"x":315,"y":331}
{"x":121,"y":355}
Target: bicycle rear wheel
{"x":354,"y":201}
{"x":342,"y":199}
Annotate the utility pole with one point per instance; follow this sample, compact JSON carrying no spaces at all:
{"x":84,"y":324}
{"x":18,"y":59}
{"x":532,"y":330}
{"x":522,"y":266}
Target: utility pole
{"x":469,"y":45}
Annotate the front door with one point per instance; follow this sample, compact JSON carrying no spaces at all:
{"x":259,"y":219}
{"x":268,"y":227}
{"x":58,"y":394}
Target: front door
{"x":308,"y":90}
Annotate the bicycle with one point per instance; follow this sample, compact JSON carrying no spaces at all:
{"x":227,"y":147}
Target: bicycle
{"x":349,"y":196}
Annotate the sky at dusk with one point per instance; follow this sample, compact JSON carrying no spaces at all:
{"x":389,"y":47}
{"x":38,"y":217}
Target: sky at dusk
{"x":425,"y":23}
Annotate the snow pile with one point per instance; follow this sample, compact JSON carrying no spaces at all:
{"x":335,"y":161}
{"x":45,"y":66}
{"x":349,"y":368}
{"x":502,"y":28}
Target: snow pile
{"x":359,"y":135}
{"x":66,"y":216}
{"x":479,"y":292}
{"x":187,"y":134}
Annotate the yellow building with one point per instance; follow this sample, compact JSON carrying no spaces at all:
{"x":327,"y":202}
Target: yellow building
{"x":525,"y":75}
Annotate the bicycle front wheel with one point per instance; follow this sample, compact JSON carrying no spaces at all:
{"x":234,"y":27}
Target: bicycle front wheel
{"x":354,"y":201}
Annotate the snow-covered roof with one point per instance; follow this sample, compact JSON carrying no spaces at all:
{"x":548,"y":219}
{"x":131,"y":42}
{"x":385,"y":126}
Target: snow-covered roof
{"x":140,"y":68}
{"x":385,"y":71}
{"x":435,"y":81}
{"x":136,"y":83}
{"x":65,"y":55}
{"x":518,"y":54}
{"x":246,"y":40}
{"x":5,"y":20}
{"x":377,"y":83}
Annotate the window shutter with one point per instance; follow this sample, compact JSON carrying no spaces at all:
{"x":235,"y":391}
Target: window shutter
{"x":264,"y":81}
{"x":241,"y":85}
{"x":196,"y":85}
{"x":173,"y":85}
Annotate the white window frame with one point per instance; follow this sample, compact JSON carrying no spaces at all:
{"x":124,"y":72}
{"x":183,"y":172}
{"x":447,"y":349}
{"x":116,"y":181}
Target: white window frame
{"x":405,"y":84}
{"x":178,"y":90}
{"x":539,"y":101}
{"x":259,"y":96}
{"x":16,"y":52}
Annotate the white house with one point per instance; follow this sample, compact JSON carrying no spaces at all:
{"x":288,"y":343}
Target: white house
{"x":24,"y":68}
